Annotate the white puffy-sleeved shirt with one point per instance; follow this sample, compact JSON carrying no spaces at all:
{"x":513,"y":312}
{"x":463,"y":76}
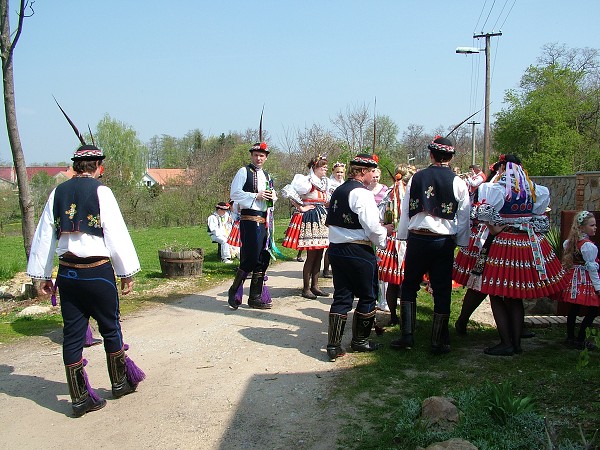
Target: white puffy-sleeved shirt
{"x":248,"y":200}
{"x":303,"y":185}
{"x":362,"y":203}
{"x":116,"y":243}
{"x":494,"y":194}
{"x":589,"y":251}
{"x":459,"y":226}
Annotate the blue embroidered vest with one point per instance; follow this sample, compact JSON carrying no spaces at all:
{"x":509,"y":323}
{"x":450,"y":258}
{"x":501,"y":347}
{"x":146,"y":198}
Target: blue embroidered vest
{"x":432,"y":191}
{"x":340,"y":214}
{"x":77,"y":208}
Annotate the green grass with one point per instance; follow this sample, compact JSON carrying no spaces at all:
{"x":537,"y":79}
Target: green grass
{"x":147,"y":282}
{"x":388,"y":387}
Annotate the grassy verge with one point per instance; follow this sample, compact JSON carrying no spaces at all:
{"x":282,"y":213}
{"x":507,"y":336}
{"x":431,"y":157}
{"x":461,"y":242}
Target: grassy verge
{"x":387,"y":388}
{"x":151,"y":287}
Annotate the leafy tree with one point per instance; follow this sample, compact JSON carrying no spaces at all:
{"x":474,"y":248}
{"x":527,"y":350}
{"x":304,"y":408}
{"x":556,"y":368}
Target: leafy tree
{"x":41,"y":186}
{"x":552,"y":120}
{"x":7,"y":47}
{"x":125,"y":153}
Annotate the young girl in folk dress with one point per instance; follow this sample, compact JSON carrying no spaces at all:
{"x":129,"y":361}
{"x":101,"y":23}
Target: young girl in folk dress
{"x":391,"y":259}
{"x":307,"y":229}
{"x":580,"y":259}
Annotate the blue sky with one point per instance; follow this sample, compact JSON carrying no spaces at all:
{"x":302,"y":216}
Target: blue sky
{"x":170,"y":67}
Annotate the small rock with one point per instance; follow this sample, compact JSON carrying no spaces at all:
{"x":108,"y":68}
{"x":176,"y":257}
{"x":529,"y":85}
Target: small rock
{"x":450,"y":444}
{"x":34,"y":310}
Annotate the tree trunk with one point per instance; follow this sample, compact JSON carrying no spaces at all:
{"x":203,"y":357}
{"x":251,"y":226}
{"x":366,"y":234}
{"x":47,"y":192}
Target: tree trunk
{"x":25,"y":197}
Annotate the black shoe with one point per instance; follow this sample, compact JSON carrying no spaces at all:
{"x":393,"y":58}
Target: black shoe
{"x":500,"y":350}
{"x":309,"y":295}
{"x":300,"y":259}
{"x":334,"y":352}
{"x":327,"y":274}
{"x":405,"y":342}
{"x":440,"y":349}
{"x":88,"y":405}
{"x":367,"y":346}
{"x":258,"y":305}
{"x":526,"y":333}
{"x":461,"y":328}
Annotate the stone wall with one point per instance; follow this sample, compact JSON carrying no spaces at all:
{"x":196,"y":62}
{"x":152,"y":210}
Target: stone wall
{"x":573,"y":192}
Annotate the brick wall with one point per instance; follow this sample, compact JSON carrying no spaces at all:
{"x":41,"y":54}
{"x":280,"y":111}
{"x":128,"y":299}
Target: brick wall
{"x":573,"y":192}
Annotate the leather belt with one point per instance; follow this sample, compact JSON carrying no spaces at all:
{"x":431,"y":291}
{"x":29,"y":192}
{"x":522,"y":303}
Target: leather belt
{"x":362,"y":242}
{"x":256,"y":219}
{"x":75,"y":265}
{"x":424,"y":232}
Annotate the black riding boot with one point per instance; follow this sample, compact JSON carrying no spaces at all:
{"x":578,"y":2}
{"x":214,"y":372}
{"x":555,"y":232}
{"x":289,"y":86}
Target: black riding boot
{"x":440,"y":337}
{"x":118,"y":374}
{"x":256,"y":289}
{"x":408,"y":318}
{"x":83,"y":397}
{"x":238,"y":281}
{"x":337,"y":323}
{"x":361,"y":330}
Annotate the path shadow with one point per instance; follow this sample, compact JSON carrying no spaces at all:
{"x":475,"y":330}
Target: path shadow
{"x":39,"y":390}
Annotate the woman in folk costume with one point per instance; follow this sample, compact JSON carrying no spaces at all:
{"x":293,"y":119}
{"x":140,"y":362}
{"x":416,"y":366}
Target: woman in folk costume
{"x":378,"y":189}
{"x":234,"y":239}
{"x":337,"y":178}
{"x":82,"y":225}
{"x":580,"y":259}
{"x":391,"y":259}
{"x":519,"y":263}
{"x":307,"y":230}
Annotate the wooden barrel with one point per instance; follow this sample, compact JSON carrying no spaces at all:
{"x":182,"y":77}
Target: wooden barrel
{"x":186,"y":263}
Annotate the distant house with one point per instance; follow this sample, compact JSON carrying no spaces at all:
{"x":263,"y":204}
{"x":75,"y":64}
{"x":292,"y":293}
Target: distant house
{"x":8,"y":174}
{"x":167,"y":177}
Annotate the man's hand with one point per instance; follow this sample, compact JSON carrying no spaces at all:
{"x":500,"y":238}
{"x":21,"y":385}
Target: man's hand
{"x":126,"y":285}
{"x":389,"y":228}
{"x":47,"y":287}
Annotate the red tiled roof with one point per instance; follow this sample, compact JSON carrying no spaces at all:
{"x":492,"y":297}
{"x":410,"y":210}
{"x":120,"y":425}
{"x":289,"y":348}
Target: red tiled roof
{"x":173,"y":177}
{"x":8,"y":172}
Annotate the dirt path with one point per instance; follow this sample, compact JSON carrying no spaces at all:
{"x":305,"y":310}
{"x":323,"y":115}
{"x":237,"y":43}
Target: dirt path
{"x":216,"y":379}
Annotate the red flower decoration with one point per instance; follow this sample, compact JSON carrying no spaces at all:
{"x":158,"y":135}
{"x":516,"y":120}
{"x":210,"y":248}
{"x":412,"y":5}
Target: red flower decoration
{"x":376,"y":158}
{"x":263,"y":145}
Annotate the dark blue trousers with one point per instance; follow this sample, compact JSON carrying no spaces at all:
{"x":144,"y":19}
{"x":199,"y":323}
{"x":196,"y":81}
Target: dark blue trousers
{"x":433,"y":255}
{"x":253,"y":256}
{"x":86,"y":293}
{"x":354,"y":268}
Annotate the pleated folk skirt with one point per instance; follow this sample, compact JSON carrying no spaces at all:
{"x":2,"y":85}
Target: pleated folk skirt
{"x":307,"y":231}
{"x":390,"y":263}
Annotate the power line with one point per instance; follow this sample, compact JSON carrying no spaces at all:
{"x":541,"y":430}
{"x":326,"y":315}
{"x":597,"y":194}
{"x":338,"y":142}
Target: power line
{"x":488,"y":16}
{"x":479,"y":18}
{"x":509,"y":11}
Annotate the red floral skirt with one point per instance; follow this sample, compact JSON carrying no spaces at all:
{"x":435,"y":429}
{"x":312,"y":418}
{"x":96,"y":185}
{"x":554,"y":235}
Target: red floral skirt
{"x":580,"y":289}
{"x":390,"y":263}
{"x":466,"y":257}
{"x":234,"y":235}
{"x":510,"y":269}
{"x":307,"y":231}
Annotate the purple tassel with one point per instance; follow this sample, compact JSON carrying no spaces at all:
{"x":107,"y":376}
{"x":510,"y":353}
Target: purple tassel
{"x":125,"y":347}
{"x":135,"y":375}
{"x":53,"y":297}
{"x":265,"y":296}
{"x":89,"y":337}
{"x":91,"y":391}
{"x":240,"y":292}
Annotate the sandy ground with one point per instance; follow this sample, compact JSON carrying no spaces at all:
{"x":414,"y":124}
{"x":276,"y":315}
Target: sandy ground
{"x":216,"y":378}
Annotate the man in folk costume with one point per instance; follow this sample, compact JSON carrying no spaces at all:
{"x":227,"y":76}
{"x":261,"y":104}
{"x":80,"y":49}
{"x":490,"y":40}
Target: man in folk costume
{"x":433,"y":221}
{"x":82,"y":224}
{"x":354,"y":227}
{"x":252,"y":189}
{"x":218,"y":225}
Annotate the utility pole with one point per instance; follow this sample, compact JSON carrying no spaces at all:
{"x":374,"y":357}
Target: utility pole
{"x":486,"y":125}
{"x":473,"y":123}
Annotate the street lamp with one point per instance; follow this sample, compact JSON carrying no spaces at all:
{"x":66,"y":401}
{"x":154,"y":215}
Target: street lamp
{"x":486,"y":124}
